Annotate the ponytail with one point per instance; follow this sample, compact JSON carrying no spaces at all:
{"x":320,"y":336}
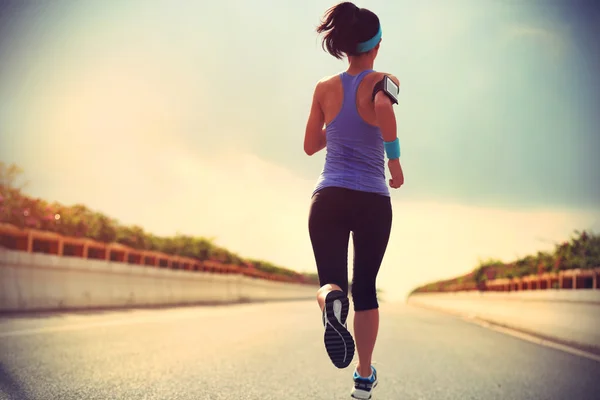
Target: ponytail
{"x":339,"y":27}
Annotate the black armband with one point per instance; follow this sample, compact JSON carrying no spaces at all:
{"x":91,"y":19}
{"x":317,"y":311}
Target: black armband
{"x":389,"y":87}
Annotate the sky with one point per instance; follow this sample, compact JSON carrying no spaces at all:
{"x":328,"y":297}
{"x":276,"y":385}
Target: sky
{"x":189,"y":117}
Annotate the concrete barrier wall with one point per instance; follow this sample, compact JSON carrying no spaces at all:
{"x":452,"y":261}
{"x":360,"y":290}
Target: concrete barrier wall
{"x":34,"y":281}
{"x":566,"y":316}
{"x":579,"y":295}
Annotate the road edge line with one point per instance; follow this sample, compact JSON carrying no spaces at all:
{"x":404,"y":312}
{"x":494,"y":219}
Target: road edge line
{"x":589,"y":352}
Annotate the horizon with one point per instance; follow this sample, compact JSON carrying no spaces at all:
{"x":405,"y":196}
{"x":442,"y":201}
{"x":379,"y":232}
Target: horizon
{"x":164,"y":117}
{"x":551,"y":244}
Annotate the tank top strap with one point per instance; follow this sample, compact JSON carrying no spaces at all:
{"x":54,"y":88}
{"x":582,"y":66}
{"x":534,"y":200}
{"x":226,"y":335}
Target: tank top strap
{"x":350,"y":85}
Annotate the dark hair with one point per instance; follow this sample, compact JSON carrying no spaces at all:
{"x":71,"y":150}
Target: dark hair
{"x":345,"y":26}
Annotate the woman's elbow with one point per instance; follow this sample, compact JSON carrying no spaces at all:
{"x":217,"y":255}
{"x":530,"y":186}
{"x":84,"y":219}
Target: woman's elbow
{"x":308,"y":149}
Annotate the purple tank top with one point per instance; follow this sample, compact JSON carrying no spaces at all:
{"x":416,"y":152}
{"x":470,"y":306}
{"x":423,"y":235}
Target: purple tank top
{"x":355,"y":154}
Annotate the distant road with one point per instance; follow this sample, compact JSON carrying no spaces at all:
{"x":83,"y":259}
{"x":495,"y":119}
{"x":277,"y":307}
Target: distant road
{"x":273,"y":352}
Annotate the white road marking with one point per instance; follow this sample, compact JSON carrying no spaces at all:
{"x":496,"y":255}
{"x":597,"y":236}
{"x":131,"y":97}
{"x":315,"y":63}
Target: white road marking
{"x":474,"y":319}
{"x":537,"y":340}
{"x":120,"y":321}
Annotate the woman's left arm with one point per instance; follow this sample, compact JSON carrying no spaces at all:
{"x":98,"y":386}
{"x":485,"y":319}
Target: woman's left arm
{"x":315,"y":139}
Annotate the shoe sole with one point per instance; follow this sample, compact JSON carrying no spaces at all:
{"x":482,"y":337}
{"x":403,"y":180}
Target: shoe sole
{"x":338,"y":340}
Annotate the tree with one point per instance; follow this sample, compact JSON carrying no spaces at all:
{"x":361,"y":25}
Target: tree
{"x":134,"y":237}
{"x":10,"y":175}
{"x":101,"y":228}
{"x":12,"y":209}
{"x":545,"y":262}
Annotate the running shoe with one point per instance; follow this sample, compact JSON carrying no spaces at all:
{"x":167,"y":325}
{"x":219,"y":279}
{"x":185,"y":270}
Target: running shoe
{"x":338,"y":340}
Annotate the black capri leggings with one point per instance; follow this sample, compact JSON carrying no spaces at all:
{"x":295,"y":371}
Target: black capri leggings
{"x":334,"y":213}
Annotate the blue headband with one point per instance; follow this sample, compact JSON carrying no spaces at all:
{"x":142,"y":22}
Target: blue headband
{"x":369,"y":44}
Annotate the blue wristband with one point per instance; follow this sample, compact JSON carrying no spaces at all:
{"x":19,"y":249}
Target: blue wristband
{"x":392,"y":149}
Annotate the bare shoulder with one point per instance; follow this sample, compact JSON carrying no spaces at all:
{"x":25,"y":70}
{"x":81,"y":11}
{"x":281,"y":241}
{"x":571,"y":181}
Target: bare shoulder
{"x":327,"y":81}
{"x":372,"y":78}
{"x":380,"y":75}
{"x":329,"y":78}
{"x":325,"y":85}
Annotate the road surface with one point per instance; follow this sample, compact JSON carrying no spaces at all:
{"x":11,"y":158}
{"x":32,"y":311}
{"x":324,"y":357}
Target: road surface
{"x":569,"y":322}
{"x":273,"y":352}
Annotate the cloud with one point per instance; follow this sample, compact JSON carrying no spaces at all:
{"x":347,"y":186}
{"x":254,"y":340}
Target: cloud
{"x":553,"y":39}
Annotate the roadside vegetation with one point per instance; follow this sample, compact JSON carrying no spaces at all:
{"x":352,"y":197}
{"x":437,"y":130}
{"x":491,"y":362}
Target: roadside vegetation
{"x":23,"y":211}
{"x":580,"y":251}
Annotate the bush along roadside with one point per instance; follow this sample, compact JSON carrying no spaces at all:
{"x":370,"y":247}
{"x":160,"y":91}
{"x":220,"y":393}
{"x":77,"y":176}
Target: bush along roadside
{"x":78,"y":221}
{"x":581,"y":254}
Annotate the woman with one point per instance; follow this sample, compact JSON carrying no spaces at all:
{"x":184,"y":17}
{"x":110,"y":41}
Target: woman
{"x":351,"y":194}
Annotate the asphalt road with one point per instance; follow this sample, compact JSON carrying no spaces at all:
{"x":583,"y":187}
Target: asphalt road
{"x":273,"y":352}
{"x":574,"y":323}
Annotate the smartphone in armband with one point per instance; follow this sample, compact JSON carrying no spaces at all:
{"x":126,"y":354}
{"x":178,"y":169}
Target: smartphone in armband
{"x":389,"y":87}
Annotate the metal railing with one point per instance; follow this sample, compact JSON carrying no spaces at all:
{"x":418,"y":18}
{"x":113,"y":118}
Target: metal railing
{"x":37,"y":241}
